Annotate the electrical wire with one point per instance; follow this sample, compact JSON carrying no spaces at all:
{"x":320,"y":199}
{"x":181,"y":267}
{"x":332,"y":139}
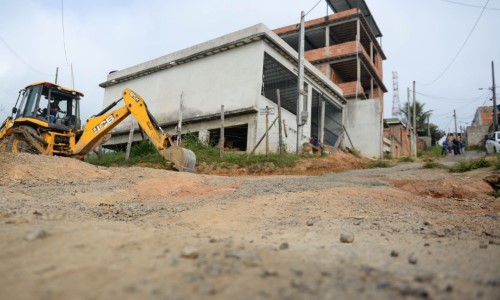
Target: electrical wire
{"x":461,"y":48}
{"x":20,"y":59}
{"x":63,"y":35}
{"x":453,"y":100}
{"x":313,"y":8}
{"x":466,"y":104}
{"x":469,"y":5}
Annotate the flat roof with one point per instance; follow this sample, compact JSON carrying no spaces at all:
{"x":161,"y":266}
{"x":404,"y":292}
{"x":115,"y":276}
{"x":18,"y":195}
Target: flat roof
{"x":342,"y":5}
{"x":222,"y":44}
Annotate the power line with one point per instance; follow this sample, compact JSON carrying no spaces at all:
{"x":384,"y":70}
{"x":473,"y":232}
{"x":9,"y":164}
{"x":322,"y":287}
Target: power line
{"x":313,"y":8}
{"x":453,"y":99}
{"x":469,"y":5}
{"x":487,"y":95}
{"x":63,"y":35}
{"x":462,"y":47}
{"x":20,"y":59}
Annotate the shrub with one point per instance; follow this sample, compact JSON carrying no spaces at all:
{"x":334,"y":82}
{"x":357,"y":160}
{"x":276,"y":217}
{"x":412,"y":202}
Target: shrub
{"x":464,"y":166}
{"x":430,"y":164}
{"x":406,"y":159}
{"x":379,"y":164}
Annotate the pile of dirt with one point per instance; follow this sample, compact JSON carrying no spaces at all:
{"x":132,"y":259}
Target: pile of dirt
{"x":122,"y":183}
{"x":25,"y":167}
{"x":336,"y":162}
{"x":445,"y":188}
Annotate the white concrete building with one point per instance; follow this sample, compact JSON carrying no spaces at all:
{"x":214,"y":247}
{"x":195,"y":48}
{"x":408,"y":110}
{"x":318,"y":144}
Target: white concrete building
{"x":241,"y":71}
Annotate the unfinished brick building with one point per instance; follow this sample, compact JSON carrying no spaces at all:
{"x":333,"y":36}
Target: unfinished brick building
{"x":332,"y":45}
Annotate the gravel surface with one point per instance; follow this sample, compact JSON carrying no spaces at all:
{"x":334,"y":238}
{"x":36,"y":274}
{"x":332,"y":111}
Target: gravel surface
{"x":75,"y":231}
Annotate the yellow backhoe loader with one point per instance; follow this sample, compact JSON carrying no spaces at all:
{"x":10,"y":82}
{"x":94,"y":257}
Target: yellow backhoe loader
{"x":46,"y":120}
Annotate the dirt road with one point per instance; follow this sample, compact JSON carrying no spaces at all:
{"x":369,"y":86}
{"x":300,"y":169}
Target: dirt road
{"x":70,"y":230}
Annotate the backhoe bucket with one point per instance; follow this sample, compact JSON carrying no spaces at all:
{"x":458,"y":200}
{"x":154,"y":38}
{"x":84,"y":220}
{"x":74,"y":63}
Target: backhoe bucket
{"x":183,"y":159}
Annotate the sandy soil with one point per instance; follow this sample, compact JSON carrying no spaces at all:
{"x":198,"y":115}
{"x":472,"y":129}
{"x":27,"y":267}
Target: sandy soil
{"x":70,"y":230}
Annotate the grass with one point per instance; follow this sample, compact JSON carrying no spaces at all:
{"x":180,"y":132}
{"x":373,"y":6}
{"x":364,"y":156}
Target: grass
{"x":469,"y":165}
{"x":431,"y":164}
{"x":145,"y":154}
{"x":355,"y":153}
{"x":494,"y":193}
{"x":496,"y":163}
{"x":379,"y":164}
{"x":206,"y":153}
{"x":406,"y":159}
{"x":474,"y":148}
{"x":430,"y":152}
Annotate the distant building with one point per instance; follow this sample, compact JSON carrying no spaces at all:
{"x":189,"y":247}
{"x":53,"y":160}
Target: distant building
{"x":483,"y":116}
{"x":397,"y":135}
{"x":481,"y":124}
{"x":354,"y":65}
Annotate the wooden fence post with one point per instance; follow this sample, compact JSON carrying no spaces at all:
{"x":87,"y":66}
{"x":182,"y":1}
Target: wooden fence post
{"x":221,"y":141}
{"x":280,"y":136}
{"x":129,"y":143}
{"x":267,"y":131}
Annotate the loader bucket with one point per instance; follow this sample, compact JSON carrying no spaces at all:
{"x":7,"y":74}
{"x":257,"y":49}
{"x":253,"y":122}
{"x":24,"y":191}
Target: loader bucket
{"x":184,"y":159}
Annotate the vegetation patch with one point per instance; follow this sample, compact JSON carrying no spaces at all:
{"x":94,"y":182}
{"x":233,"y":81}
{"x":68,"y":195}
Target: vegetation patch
{"x":406,"y":159}
{"x":432,"y":152}
{"x":431,"y":164}
{"x":379,"y":164}
{"x":474,"y":148}
{"x":469,"y":165}
{"x":207,"y":156}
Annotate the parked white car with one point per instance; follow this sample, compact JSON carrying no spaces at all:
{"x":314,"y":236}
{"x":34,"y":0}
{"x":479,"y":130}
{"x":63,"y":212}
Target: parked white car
{"x":493,"y":143}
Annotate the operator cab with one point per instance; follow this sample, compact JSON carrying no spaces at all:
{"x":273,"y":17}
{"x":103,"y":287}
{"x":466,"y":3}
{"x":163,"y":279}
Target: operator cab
{"x":38,"y":99}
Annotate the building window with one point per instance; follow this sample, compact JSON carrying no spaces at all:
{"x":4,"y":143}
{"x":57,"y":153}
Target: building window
{"x":235,"y":137}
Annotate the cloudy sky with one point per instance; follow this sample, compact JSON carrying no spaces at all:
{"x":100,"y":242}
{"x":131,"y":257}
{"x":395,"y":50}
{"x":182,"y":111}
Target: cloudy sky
{"x":421,"y":38}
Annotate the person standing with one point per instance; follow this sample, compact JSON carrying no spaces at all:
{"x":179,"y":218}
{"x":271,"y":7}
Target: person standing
{"x":456,"y":146}
{"x":444,"y":151}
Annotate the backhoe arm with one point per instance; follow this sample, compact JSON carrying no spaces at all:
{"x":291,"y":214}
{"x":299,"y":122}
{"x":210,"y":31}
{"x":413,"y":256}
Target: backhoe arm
{"x":98,"y":126}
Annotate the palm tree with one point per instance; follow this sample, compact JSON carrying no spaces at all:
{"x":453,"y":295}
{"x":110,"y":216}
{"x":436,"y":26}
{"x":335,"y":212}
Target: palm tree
{"x":422,"y":116}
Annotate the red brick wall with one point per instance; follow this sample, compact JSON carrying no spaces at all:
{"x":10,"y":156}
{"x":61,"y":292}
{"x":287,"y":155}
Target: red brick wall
{"x":335,"y":50}
{"x":487,"y":116}
{"x":349,"y":88}
{"x":318,"y":21}
{"x":400,"y":140}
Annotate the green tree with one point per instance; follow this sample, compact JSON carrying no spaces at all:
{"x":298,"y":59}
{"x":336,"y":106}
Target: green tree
{"x":422,"y":117}
{"x":436,"y":133}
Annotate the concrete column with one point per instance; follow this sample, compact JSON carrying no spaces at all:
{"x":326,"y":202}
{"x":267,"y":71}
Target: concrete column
{"x":371,"y":52}
{"x":371,"y":88}
{"x":327,"y":48}
{"x":358,"y":65}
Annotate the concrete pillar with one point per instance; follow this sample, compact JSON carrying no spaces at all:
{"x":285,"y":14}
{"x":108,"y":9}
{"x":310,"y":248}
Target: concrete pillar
{"x":327,"y":47}
{"x":371,"y":88}
{"x":203,"y":135}
{"x":358,"y":64}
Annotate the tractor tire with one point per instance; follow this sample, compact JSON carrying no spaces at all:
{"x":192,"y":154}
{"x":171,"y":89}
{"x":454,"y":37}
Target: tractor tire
{"x":21,"y":141}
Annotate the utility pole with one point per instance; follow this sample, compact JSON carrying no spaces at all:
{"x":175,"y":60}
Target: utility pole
{"x":280,"y":135}
{"x":428,"y":125}
{"x":221,"y":140}
{"x":495,"y":109}
{"x":455,"y":117}
{"x":408,"y":123}
{"x":414,"y":120}
{"x":179,"y":123}
{"x":300,"y":81}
